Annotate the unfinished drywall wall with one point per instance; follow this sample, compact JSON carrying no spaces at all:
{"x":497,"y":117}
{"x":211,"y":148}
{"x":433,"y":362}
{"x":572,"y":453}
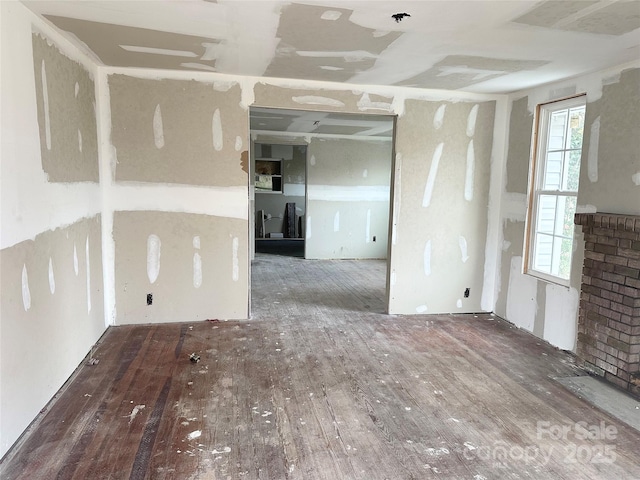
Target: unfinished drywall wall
{"x":52,"y":313}
{"x":348,"y":198}
{"x":51,"y":306}
{"x":441,"y":212}
{"x":178,"y":131}
{"x":293,"y":184}
{"x":609,"y":182}
{"x":194,"y":266}
{"x":66,"y":99}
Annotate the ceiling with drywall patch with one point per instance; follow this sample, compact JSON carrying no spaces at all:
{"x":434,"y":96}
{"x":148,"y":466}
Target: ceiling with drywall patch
{"x":475,"y":45}
{"x":296,"y":122}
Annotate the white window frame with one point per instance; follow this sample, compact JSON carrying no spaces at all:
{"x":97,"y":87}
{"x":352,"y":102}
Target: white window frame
{"x":536,"y":178}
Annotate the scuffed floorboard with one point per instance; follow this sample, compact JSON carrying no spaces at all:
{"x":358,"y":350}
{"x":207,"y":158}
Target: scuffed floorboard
{"x":320,"y":384}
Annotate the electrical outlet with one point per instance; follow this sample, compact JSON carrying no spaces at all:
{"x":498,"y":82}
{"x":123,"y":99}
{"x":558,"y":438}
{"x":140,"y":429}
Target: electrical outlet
{"x":467,"y":292}
{"x":149,"y":298}
{"x":374,"y":238}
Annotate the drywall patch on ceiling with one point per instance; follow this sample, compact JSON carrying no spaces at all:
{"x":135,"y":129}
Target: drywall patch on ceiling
{"x":603,"y":18}
{"x":615,"y":19}
{"x":460,"y":71}
{"x":313,"y":40}
{"x":122,"y":46}
{"x":547,"y":14}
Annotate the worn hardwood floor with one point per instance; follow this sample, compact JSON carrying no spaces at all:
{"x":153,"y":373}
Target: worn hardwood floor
{"x":320,"y":384}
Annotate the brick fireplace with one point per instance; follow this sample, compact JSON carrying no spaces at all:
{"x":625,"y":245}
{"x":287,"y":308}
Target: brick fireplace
{"x":609,"y":318}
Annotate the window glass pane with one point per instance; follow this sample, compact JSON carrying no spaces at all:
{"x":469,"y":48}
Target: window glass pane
{"x":553,"y":171}
{"x":576,"y":127}
{"x":557,"y":129}
{"x":542,"y":253}
{"x":564,"y":266}
{"x":546,"y":213}
{"x":572,"y":173}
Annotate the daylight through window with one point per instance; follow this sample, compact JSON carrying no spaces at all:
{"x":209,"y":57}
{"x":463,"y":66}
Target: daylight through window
{"x":554,"y":194}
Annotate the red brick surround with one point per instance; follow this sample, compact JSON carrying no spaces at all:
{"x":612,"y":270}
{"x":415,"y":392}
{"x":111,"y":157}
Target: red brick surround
{"x":609,"y":319}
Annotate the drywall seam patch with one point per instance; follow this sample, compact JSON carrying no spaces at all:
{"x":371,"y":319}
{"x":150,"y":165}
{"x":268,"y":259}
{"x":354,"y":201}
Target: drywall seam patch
{"x":79,"y":140}
{"x":471,"y":120}
{"x":52,"y":278}
{"x":469,"y":173}
{"x":317,"y":100}
{"x":26,"y":293}
{"x":431,"y":179}
{"x":88,"y":265}
{"x":308,"y":229}
{"x":45,"y":101}
{"x":592,"y":158}
{"x":197,"y":270}
{"x":438,"y":118}
{"x":75,"y":259}
{"x":154,"y":246}
{"x":158,"y":130}
{"x":397,"y":200}
{"x":216,"y":129}
{"x":514,"y":206}
{"x":463,"y":248}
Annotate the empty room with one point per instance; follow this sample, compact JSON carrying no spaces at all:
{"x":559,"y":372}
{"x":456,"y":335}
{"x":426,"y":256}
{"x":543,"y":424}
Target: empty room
{"x":320,"y":239}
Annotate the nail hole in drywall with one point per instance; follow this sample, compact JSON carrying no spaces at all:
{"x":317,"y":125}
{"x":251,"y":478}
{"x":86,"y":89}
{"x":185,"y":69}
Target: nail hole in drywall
{"x":149,"y":298}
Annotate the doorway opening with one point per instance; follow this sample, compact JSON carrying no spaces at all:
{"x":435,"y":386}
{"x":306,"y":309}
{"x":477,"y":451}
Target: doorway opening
{"x":320,"y":190}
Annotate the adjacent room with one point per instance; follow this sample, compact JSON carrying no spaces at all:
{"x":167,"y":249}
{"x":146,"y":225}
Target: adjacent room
{"x":320,"y":239}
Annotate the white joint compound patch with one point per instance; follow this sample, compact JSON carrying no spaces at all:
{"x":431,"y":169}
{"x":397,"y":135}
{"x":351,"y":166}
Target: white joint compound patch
{"x":331,"y":15}
{"x":76,"y":89}
{"x":158,"y":129}
{"x":393,"y":278}
{"x":459,"y":303}
{"x":365,"y":173}
{"x":469,"y":173}
{"x":471,"y":121}
{"x":592,"y":157}
{"x":75,"y":259}
{"x":88,"y":264}
{"x":433,"y":172}
{"x":561,"y":316}
{"x":521,"y":296}
{"x":312,"y":160}
{"x":421,"y":308}
{"x":307,"y":233}
{"x":197,"y":270}
{"x":153,"y":257}
{"x":336,"y":222}
{"x":79,"y":140}
{"x":216,"y":129}
{"x":196,"y":241}
{"x":26,"y":293}
{"x":635,"y":178}
{"x":316,"y":100}
{"x":438,"y":118}
{"x":238,"y":145}
{"x":45,"y":100}
{"x":52,"y":278}
{"x":463,"y":248}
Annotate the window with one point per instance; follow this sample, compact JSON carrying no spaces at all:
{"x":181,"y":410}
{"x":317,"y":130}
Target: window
{"x":554,"y":189}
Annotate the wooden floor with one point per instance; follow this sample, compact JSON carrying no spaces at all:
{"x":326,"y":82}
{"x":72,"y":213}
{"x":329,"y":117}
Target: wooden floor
{"x":321,"y":385}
